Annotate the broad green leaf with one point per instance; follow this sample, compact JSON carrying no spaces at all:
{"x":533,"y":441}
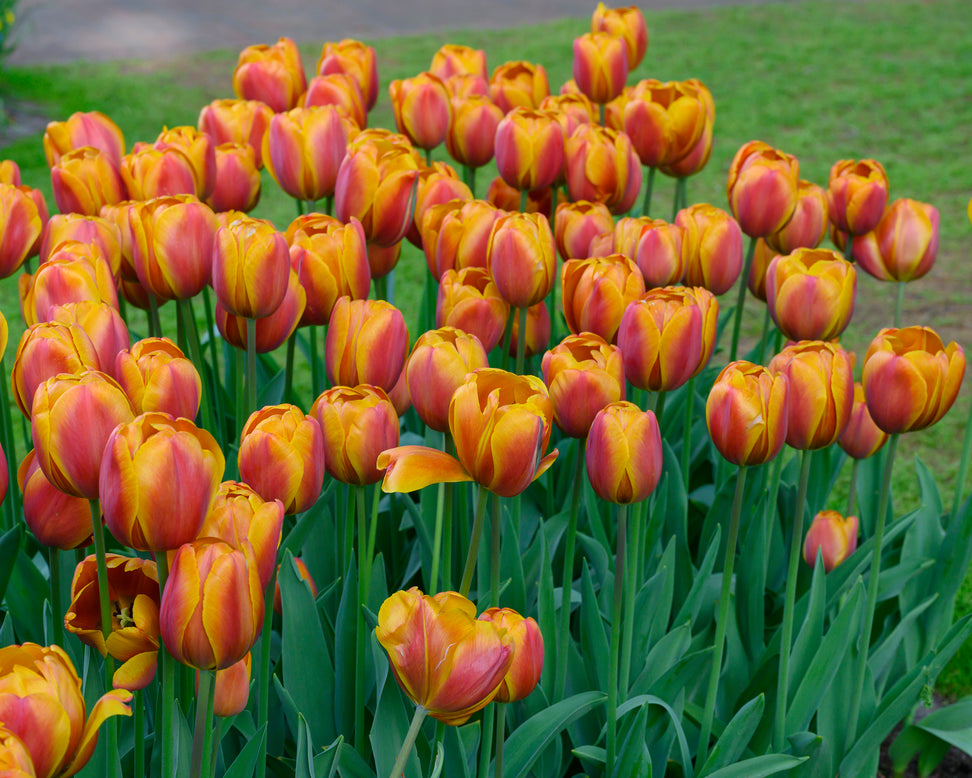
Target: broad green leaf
{"x":882,"y":655}
{"x":735,"y":737}
{"x":633,"y":760}
{"x":693,"y":602}
{"x":9,"y":548}
{"x":325,"y":762}
{"x":546,"y":613}
{"x":345,"y":640}
{"x":641,"y":703}
{"x":388,"y":733}
{"x":594,"y":639}
{"x":25,"y":586}
{"x":953,"y":724}
{"x":759,"y":766}
{"x":245,"y":762}
{"x":811,"y":630}
{"x":305,"y":753}
{"x":349,"y":763}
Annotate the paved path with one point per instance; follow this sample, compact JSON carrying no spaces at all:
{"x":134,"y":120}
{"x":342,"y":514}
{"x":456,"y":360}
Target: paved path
{"x":72,"y":30}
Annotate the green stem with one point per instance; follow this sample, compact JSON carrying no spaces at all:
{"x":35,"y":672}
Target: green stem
{"x":184,"y":314}
{"x":300,"y":206}
{"x":849,"y":248}
{"x":722,"y":617}
{"x":852,"y":488}
{"x":524,"y":200}
{"x":432,"y":584}
{"x":410,"y":736}
{"x":214,"y":751}
{"x":447,"y":538}
{"x":167,"y":724}
{"x":660,"y":406}
{"x":54,"y":563}
{"x":251,"y":387}
{"x":213,"y":352}
{"x":507,"y":341}
{"x":500,"y":740}
{"x":864,"y":640}
{"x":741,"y":299}
{"x":489,"y":721}
{"x":155,"y":324}
{"x":477,"y":532}
{"x":677,"y":200}
{"x":289,"y":368}
{"x":614,"y":657}
{"x":789,"y":601}
{"x":263,"y":680}
{"x":563,"y":634}
{"x":139,"y":742}
{"x":317,"y":383}
{"x":630,"y":591}
{"x":111,"y":725}
{"x":522,"y":317}
{"x":13,"y":508}
{"x":649,"y":185}
{"x":496,"y":533}
{"x":202,"y":736}
{"x":767,"y":321}
{"x":364,"y":570}
{"x":899,"y":303}
{"x":687,"y":434}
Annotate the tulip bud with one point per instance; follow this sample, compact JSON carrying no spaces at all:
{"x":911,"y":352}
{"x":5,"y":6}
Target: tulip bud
{"x":422,"y":109}
{"x":237,"y":121}
{"x":537,"y":337}
{"x":807,"y":226}
{"x":521,"y":258}
{"x":625,"y":23}
{"x":469,"y":301}
{"x":303,"y":150}
{"x":101,"y":322}
{"x":762,"y":188}
{"x":583,"y":374}
{"x":282,"y":456}
{"x":83,"y":229}
{"x":910,"y":379}
{"x":762,"y":256}
{"x":529,"y":149}
{"x":624,"y":453}
{"x":212,"y":606}
{"x":524,"y":673}
{"x":74,"y":273}
{"x":356,"y":60}
{"x":358,"y":424}
{"x":713,"y":247}
{"x":57,"y":519}
{"x":436,"y":367}
{"x":438,"y":183}
{"x":20,"y":227}
{"x":156,"y":376}
{"x":445,"y":659}
{"x":746,"y":413}
{"x":149,"y":172}
{"x":602,"y":166}
{"x":665,"y":121}
{"x":367,"y":342}
{"x":904,"y":244}
{"x":472,"y":132}
{"x":456,"y":235}
{"x":518,"y":83}
{"x":232,"y":688}
{"x":86,"y":179}
{"x":201,"y":151}
{"x":657,"y":247}
{"x":862,"y":438}
{"x":271,"y":74}
{"x":600,"y":65}
{"x":237,"y":179}
{"x":577,"y":224}
{"x":453,"y":59}
{"x":271,"y":331}
{"x":83,"y":129}
{"x":341,"y":91}
{"x":251,"y":268}
{"x":143,"y":459}
{"x":833,"y":536}
{"x":597,"y":290}
{"x":857,"y":194}
{"x":810,"y":293}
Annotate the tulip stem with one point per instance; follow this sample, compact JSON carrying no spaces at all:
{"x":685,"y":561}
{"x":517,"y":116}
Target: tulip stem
{"x":614,"y":658}
{"x":496,"y":532}
{"x":139,"y":742}
{"x":433,"y":583}
{"x":214,"y":751}
{"x":54,"y":565}
{"x":899,"y":303}
{"x":722,"y":617}
{"x":765,"y":336}
{"x":796,"y":546}
{"x":191,"y":336}
{"x":680,"y":195}
{"x":202,"y":734}
{"x":317,"y":384}
{"x":660,"y":406}
{"x":364,"y":583}
{"x":411,"y":735}
{"x":741,"y":299}
{"x":500,"y":740}
{"x":632,"y":566}
{"x":521,"y":322}
{"x":251,"y":387}
{"x":524,"y":200}
{"x":563,"y":634}
{"x":155,"y":324}
{"x":477,"y":532}
{"x":289,"y":368}
{"x":849,"y":247}
{"x":864,"y":639}
{"x":486,"y":741}
{"x":852,"y":487}
{"x":649,"y":185}
{"x":167,"y":723}
{"x":687,"y":436}
{"x":263,"y":688}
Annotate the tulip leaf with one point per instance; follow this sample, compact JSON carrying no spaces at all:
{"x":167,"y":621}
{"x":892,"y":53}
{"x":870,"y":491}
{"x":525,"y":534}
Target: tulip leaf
{"x":599,"y":557}
{"x":735,"y":737}
{"x":527,"y":741}
{"x":349,"y":763}
{"x":345,"y":637}
{"x":655,"y":608}
{"x":642,"y":703}
{"x":388,"y":732}
{"x":439,"y":761}
{"x":9,"y":548}
{"x":594,"y":641}
{"x":25,"y":584}
{"x":308,"y":671}
{"x":808,"y":638}
{"x":593,"y":754}
{"x":305,"y":753}
{"x":634,"y":760}
{"x":245,"y":762}
{"x":702,"y":580}
{"x":952,"y":567}
{"x":751,"y":580}
{"x":818,"y":753}
{"x":325,"y":761}
{"x":663,"y":655}
{"x":882,"y":656}
{"x":760,"y":766}
{"x":546,"y":613}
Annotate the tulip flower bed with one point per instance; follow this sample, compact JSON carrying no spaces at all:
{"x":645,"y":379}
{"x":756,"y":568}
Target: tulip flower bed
{"x":567,"y":517}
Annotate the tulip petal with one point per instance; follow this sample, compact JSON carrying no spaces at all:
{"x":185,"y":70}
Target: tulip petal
{"x":409,"y":468}
{"x":111,"y":704}
{"x":137,"y":672}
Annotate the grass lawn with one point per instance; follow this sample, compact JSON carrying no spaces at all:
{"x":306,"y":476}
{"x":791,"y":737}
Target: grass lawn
{"x":887,"y":79}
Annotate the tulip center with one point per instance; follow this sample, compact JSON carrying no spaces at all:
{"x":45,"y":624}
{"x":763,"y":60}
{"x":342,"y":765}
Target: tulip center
{"x":121,"y":615}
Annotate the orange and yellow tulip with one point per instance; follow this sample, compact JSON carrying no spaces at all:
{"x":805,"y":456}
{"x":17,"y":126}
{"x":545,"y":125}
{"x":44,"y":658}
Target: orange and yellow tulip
{"x":156,"y":376}
{"x":445,"y":659}
{"x":271,"y":331}
{"x":626,"y":23}
{"x":438,"y":183}
{"x":57,"y":519}
{"x":597,"y":290}
{"x":810,"y":293}
{"x":356,"y":60}
{"x":237,"y":121}
{"x":657,"y":247}
{"x":15,"y":761}
{"x":367,"y":342}
{"x":238,"y":182}
{"x":522,"y":258}
{"x":624,"y":453}
{"x":86,"y":179}
{"x":832,"y":536}
{"x":713,"y":247}
{"x":75,"y":272}
{"x":251,"y":268}
{"x":20,"y":228}
{"x":602,"y":166}
{"x":472,"y":132}
{"x":762,"y":188}
{"x":518,"y":83}
{"x":857,"y":194}
{"x":456,"y":235}
{"x":529,"y":148}
{"x":453,"y":59}
{"x":232,"y":688}
{"x":422,"y":109}
{"x":665,"y":121}
{"x":150,"y":172}
{"x":904,"y":244}
{"x":524,"y":673}
{"x":576,"y":224}
{"x":341,"y":91}
{"x":201,"y":151}
{"x":600,"y":65}
{"x":91,"y":128}
{"x":862,"y":437}
{"x":303,"y":149}
{"x":272,"y":74}
{"x":807,"y":227}
{"x":84,"y":229}
{"x":468,"y":300}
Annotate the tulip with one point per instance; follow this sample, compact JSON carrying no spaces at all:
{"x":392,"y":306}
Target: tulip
{"x":583,"y":374}
{"x":242,"y":518}
{"x":72,"y":417}
{"x":453,"y":59}
{"x":332,"y":262}
{"x":282,"y":456}
{"x":468,"y":300}
{"x":20,"y":227}
{"x":808,"y":224}
{"x":463,"y":85}
{"x":602,"y":167}
{"x":101,"y":322}
{"x":212,"y":606}
{"x":833,"y":536}
{"x":303,"y":150}
{"x":383,"y":259}
{"x":83,"y":229}
{"x":201,"y":151}
{"x":524,"y":673}
{"x":367,"y":341}
{"x":304,"y":573}
{"x":904,"y":244}
{"x":143,"y":459}
{"x":341,"y":91}
{"x":150,"y":172}
{"x":436,"y":367}
{"x":537,"y":335}
{"x":861,"y":438}
{"x":600,"y":65}
{"x":58,"y":520}
{"x":74,"y":273}
{"x":376,"y":185}
{"x":41,"y":702}
{"x":506,"y":198}
{"x":762,"y":256}
{"x":857,"y":194}
{"x":444,"y":658}
{"x":271,"y":331}
{"x":597,"y":290}
{"x":437,"y":184}
{"x":83,"y":129}
{"x":422,"y":109}
{"x":665,"y":121}
{"x":358,"y":424}
{"x":272,"y":74}
{"x":500,"y":423}
{"x":811,"y":293}
{"x":86,"y":179}
{"x":9,"y":172}
{"x":518,"y":83}
{"x":746,"y":413}
{"x":695,"y":160}
{"x":658,"y":248}
{"x":820,"y":392}
{"x":471,"y":137}
{"x":237,"y":179}
{"x":357,"y":60}
{"x":667,"y":337}
{"x":15,"y":761}
{"x":577,"y":224}
{"x":118,"y":215}
{"x":251,"y":268}
{"x":529,"y":149}
{"x":45,"y":350}
{"x":156,"y":376}
{"x":456,"y":235}
{"x":713,"y":247}
{"x":232,"y":688}
{"x":624,"y":453}
{"x":910,"y":379}
{"x":762,"y":188}
{"x":625,"y":23}
{"x":237,"y":121}
{"x":133,"y":586}
{"x":521,"y":258}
